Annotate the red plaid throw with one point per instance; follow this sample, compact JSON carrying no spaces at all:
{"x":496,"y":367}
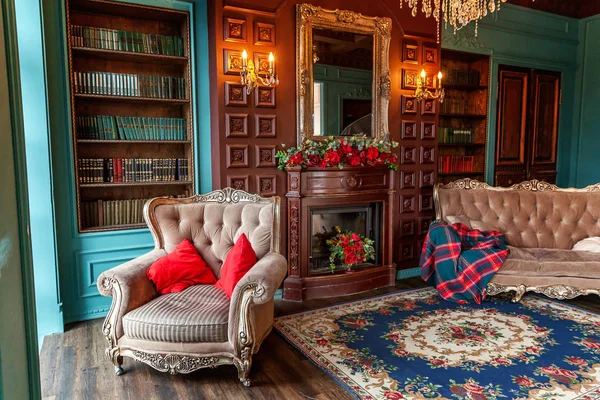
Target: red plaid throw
{"x":460,"y":261}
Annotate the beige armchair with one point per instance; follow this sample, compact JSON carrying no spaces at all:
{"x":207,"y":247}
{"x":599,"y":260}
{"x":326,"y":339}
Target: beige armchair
{"x":199,"y":327}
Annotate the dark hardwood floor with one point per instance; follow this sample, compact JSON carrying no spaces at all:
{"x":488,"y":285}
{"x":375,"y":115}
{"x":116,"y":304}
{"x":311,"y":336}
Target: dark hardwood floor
{"x":73,"y":366}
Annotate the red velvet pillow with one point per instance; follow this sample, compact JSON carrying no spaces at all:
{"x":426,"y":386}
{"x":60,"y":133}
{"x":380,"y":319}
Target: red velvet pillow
{"x":179,"y":269}
{"x":239,"y":260}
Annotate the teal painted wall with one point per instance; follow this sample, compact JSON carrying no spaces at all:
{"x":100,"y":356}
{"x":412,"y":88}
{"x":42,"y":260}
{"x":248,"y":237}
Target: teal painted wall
{"x":338,"y":84}
{"x":529,"y":38}
{"x":39,"y":174}
{"x":587,"y":121}
{"x":83,"y":257}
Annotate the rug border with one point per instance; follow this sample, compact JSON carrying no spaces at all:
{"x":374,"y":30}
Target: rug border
{"x":345,"y":386}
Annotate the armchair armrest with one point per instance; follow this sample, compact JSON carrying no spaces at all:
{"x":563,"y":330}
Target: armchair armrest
{"x":130,"y":288}
{"x":257,"y":287}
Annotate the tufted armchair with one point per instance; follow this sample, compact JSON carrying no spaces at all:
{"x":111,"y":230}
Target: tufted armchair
{"x":199,"y":327}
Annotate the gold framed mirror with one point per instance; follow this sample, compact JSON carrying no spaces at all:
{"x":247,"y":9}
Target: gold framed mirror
{"x":342,"y":73}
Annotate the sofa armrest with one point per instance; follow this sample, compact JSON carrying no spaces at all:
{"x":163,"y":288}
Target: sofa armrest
{"x":130,"y":288}
{"x":258,"y":286}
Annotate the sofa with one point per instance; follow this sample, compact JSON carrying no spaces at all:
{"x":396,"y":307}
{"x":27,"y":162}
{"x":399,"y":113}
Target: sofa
{"x":199,"y":327}
{"x":541,"y":223}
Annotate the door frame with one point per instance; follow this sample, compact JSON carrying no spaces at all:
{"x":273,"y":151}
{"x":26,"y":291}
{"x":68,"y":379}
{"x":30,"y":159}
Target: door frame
{"x":18,"y":138}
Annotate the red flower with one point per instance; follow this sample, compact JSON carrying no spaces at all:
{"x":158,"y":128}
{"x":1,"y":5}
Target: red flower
{"x":393,"y":336}
{"x":345,"y":148}
{"x":532,"y":350}
{"x":550,"y":370}
{"x":408,"y":305}
{"x":476,"y":338}
{"x":401,"y":353}
{"x":473,"y":388}
{"x":437,"y":361}
{"x":502,"y":361}
{"x":296,"y":159}
{"x":332,"y":157}
{"x":591,"y":343}
{"x":392,"y":395}
{"x":523,"y":381}
{"x":355,"y":237}
{"x":576,"y":361}
{"x":323,"y":342}
{"x":456,"y":329}
{"x":372,"y":153}
{"x":345,"y":240}
{"x":458,"y":336}
{"x":350,"y":259}
{"x":354,"y":161}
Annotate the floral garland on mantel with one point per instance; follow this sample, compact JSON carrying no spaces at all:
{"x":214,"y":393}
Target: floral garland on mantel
{"x":354,"y":151}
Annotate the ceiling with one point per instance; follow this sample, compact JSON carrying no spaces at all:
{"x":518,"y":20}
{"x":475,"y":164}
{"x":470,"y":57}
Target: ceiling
{"x":568,"y":8}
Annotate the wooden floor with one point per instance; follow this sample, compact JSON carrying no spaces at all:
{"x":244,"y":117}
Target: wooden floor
{"x":73,"y":366}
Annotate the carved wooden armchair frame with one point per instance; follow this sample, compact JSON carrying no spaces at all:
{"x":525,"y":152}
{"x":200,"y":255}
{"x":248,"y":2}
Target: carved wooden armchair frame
{"x":242,"y":339}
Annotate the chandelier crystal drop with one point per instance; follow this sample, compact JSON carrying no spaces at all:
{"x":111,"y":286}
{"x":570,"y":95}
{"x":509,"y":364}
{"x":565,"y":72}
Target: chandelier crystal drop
{"x":456,"y":13}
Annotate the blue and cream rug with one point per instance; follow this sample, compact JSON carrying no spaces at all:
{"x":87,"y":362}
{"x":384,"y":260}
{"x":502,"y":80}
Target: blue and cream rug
{"x":413,"y":345}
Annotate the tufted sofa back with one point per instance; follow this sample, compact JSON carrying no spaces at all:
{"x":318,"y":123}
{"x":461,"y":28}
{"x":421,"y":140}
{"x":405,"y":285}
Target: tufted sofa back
{"x":213,"y":227}
{"x":529,"y":215}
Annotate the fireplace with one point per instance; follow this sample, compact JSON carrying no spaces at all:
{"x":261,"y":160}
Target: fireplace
{"x":363,"y":219}
{"x":357,"y":199}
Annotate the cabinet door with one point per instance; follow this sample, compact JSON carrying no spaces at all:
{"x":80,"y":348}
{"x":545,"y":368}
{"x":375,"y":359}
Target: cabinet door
{"x":544,"y":125}
{"x":511,"y":128}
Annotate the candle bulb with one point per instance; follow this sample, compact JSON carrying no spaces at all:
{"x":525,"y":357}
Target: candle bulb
{"x":423,"y":75}
{"x":271,"y":62}
{"x":440,"y":80}
{"x":244,"y":58}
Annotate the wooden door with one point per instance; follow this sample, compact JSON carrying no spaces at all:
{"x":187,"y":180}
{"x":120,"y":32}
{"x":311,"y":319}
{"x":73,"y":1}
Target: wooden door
{"x":545,"y":91}
{"x":511,"y":130}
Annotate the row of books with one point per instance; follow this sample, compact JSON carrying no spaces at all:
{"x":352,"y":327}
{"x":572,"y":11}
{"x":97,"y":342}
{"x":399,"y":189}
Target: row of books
{"x":462,"y":76}
{"x":448,"y":164}
{"x":113,"y":39}
{"x":130,"y":85}
{"x":108,"y":127}
{"x":115,"y":170}
{"x":456,"y":135}
{"x":113,"y":212}
{"x":453,"y":105}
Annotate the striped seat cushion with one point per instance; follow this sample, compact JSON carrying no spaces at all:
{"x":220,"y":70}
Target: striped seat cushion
{"x":198,"y":314}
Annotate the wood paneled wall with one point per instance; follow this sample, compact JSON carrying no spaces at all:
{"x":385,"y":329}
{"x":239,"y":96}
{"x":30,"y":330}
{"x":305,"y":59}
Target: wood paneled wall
{"x":247,"y":130}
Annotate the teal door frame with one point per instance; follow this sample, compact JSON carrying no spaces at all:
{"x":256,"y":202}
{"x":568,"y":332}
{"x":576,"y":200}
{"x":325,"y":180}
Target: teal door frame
{"x":18,"y":140}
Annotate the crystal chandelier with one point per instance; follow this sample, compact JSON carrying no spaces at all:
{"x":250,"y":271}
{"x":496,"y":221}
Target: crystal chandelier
{"x":457,"y":13}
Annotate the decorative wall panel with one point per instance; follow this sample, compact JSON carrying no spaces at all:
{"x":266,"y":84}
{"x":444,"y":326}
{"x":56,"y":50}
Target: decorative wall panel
{"x":409,"y":105}
{"x":410,"y":52}
{"x":265,"y":126}
{"x":264,"y":96}
{"x":239,"y":182}
{"x":236,"y":125}
{"x":407,"y":180}
{"x":409,"y":130}
{"x":265,"y":155}
{"x":237,"y":155}
{"x":266,"y":185}
{"x":232,"y":62}
{"x":428,"y":130}
{"x":264,"y":34}
{"x":409,"y":78}
{"x":235,"y":94}
{"x":234,"y":30}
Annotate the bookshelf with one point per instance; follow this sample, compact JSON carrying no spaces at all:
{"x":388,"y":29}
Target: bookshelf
{"x":131,"y":109}
{"x":462,"y":133}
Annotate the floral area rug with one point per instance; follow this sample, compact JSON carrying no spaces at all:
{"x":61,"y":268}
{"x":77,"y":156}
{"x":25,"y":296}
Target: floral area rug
{"x":413,"y":345}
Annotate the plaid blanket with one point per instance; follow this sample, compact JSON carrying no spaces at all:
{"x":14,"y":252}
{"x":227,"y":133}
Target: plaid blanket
{"x":460,"y":262}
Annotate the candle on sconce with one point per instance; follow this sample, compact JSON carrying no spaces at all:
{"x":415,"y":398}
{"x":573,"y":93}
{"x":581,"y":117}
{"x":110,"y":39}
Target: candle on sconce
{"x":423,"y":75}
{"x":244,"y":59}
{"x":439,"y":80}
{"x":271,"y":62}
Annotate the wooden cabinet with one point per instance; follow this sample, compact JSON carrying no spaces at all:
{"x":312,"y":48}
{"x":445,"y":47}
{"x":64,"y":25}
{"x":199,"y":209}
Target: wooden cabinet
{"x":527,"y":125}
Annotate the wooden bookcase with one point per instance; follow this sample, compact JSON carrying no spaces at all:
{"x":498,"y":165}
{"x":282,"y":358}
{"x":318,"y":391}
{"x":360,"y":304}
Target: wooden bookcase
{"x":462,"y":133}
{"x":159,"y":100}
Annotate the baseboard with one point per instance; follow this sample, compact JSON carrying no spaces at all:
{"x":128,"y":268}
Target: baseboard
{"x":408,"y":273}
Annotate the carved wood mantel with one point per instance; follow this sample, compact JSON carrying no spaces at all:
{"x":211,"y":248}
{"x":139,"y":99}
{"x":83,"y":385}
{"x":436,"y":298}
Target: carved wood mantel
{"x":309,"y":188}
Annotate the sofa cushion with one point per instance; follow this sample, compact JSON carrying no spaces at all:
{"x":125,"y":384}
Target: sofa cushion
{"x":198,"y":314}
{"x":551,"y":262}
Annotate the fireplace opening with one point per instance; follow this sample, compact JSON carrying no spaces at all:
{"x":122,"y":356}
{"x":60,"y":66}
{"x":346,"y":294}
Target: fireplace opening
{"x":363,"y":219}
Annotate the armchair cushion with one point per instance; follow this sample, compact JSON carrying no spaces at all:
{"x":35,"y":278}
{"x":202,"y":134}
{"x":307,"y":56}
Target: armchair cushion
{"x":180,"y":269}
{"x":198,"y":314}
{"x":238,"y":262}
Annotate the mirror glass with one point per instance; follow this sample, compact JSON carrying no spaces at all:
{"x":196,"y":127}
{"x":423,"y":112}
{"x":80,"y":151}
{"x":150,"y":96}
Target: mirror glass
{"x":342,"y":82}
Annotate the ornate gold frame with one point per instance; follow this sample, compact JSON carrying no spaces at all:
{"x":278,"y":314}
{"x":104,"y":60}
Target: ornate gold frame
{"x":309,"y":16}
{"x":186,"y":360}
{"x":560,"y":292}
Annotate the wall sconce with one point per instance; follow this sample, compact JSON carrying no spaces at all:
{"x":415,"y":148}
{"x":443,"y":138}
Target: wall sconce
{"x":251,"y":79}
{"x":423,"y":93}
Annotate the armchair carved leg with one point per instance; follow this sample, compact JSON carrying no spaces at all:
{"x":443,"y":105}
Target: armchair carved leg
{"x":118,"y":366}
{"x":243,"y":365}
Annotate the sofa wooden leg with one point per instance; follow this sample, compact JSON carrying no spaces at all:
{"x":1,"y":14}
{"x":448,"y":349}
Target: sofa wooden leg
{"x":519,"y":294}
{"x":243,"y":365}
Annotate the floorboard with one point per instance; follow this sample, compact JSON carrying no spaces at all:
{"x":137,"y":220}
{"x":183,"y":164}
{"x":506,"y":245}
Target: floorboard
{"x":73,"y":366}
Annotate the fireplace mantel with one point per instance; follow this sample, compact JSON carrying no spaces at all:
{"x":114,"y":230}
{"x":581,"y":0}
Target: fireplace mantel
{"x":312,"y":188}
